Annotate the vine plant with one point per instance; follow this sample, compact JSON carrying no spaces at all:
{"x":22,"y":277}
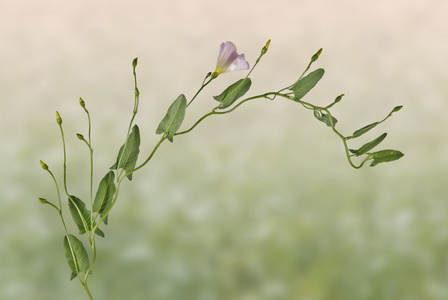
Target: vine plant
{"x":89,"y":217}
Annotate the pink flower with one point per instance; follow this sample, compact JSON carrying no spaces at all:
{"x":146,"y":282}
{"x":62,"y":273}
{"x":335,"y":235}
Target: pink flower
{"x":229,"y":60}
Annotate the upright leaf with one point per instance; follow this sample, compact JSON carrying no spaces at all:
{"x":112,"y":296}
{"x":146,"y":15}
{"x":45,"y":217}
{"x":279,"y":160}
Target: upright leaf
{"x":104,"y":194}
{"x":233,"y":93}
{"x":76,"y":255}
{"x":304,"y":85}
{"x":385,"y":156}
{"x":80,"y":214}
{"x":128,"y":154}
{"x":369,"y":146}
{"x":173,"y":118}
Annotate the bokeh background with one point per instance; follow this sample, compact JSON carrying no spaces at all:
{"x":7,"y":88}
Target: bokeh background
{"x":257,"y":204}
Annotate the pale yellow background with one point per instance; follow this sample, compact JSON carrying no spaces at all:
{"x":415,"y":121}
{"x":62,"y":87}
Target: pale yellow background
{"x":259,"y":204}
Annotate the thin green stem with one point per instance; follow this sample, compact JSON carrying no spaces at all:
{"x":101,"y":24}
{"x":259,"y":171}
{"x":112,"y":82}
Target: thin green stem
{"x":65,"y":181}
{"x":163,"y":138}
{"x":65,"y":159}
{"x":59,"y":210}
{"x":203,"y":85}
{"x":134,"y":112}
{"x":87,"y":290}
{"x":310,"y":106}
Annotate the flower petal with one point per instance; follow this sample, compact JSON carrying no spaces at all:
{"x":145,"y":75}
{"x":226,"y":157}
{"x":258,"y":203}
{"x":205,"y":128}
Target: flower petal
{"x":239,"y":64}
{"x":229,"y":60}
{"x":227,"y":52}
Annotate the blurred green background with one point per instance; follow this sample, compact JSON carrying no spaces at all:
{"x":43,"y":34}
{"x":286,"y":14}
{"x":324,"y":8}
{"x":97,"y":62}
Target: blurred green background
{"x":258,"y":204}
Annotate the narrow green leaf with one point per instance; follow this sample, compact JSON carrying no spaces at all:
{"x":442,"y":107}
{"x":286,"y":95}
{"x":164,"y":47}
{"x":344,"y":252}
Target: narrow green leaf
{"x":233,"y":93}
{"x":385,"y":156}
{"x":173,"y":118}
{"x":325,"y":118}
{"x":127,"y":158}
{"x":369,"y":146}
{"x":304,"y":85}
{"x":363,"y":130}
{"x":80,"y":214}
{"x":76,"y":255}
{"x":104,"y":194}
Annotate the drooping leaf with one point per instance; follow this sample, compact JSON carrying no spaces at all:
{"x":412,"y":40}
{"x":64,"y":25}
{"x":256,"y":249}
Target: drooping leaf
{"x":173,"y":118}
{"x":128,"y":154}
{"x":326,"y":118}
{"x":369,"y":146}
{"x":76,"y":255}
{"x":104,"y":194}
{"x":363,"y":130}
{"x":80,"y":214}
{"x":385,"y":156}
{"x":304,"y":85}
{"x":233,"y":93}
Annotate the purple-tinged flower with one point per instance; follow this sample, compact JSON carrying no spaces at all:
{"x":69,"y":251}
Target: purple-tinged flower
{"x":229,"y":60}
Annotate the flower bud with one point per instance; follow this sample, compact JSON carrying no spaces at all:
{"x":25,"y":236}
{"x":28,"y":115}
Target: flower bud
{"x":80,"y":136}
{"x":338,"y":98}
{"x":82,"y":103}
{"x":265,"y":48}
{"x":43,"y":165}
{"x":58,"y":118}
{"x":134,"y":62}
{"x":316,"y":56}
{"x":43,"y":201}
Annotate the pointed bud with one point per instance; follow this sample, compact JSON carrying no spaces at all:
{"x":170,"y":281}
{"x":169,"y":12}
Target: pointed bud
{"x":80,"y":136}
{"x":265,"y":48}
{"x":134,"y":62}
{"x":397,"y":108}
{"x":43,"y":165}
{"x":338,"y":98}
{"x":58,"y":118}
{"x":43,"y":201}
{"x":82,"y":103}
{"x":316,"y":56}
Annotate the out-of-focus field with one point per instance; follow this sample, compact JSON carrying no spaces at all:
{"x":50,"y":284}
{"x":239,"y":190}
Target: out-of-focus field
{"x":257,"y":204}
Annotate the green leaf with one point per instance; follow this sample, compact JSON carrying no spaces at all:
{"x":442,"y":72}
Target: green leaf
{"x":99,"y":232}
{"x":80,"y":214}
{"x":127,"y":158}
{"x":173,"y":118}
{"x":304,"y":85}
{"x":104,"y":194}
{"x":325,"y":118}
{"x":76,"y":255}
{"x":385,"y":156}
{"x":233,"y":93}
{"x":363,"y":130}
{"x":370,"y":145}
